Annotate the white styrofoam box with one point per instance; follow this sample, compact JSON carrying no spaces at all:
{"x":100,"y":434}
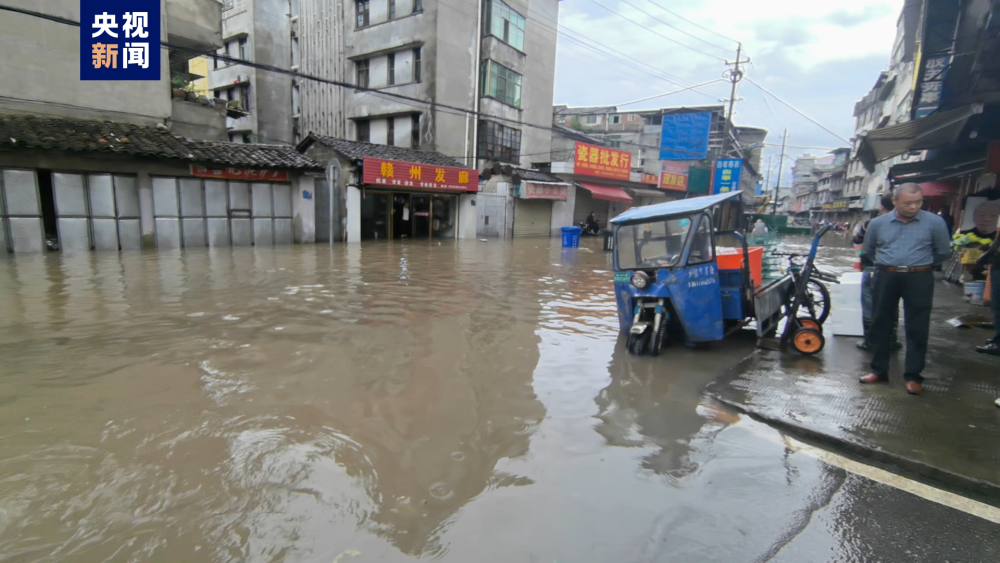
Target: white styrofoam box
{"x":845,"y":306}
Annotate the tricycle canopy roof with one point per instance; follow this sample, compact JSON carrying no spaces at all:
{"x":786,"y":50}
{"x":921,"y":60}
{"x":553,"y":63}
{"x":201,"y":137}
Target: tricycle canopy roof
{"x":677,"y":207}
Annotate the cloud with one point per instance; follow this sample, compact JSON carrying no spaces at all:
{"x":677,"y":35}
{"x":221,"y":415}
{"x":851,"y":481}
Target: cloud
{"x":846,"y":19}
{"x":819,"y":58}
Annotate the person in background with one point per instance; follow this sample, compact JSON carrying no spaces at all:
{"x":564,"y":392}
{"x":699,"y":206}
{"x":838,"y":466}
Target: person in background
{"x":905,"y":245}
{"x":867,"y":277}
{"x":992,"y":258}
{"x":760,"y":228}
{"x":593,"y":227}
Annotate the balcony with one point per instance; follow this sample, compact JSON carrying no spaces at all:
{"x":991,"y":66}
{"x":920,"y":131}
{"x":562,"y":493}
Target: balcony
{"x":196,"y":121}
{"x":195,"y":24}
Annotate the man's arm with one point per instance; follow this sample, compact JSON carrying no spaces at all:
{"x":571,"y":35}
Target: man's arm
{"x":941,"y":241}
{"x":871,"y":237}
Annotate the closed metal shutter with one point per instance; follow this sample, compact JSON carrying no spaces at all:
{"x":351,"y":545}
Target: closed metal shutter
{"x":585,"y":203}
{"x":532,"y":218}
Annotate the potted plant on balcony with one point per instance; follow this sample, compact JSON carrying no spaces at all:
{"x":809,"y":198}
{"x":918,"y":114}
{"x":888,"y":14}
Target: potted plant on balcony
{"x":178,"y":83}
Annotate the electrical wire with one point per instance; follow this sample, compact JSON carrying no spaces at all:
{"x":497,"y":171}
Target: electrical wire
{"x":270,"y":68}
{"x":672,"y":40}
{"x":676,"y":15}
{"x":790,"y":106}
{"x":672,"y":26}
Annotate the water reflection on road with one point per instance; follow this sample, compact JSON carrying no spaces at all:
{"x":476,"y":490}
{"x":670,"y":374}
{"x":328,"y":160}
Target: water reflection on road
{"x":369,"y":402}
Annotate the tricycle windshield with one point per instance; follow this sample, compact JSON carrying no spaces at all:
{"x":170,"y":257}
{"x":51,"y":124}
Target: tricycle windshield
{"x":657,"y":243}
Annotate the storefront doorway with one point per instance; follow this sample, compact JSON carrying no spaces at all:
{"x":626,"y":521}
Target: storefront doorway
{"x":402,"y":215}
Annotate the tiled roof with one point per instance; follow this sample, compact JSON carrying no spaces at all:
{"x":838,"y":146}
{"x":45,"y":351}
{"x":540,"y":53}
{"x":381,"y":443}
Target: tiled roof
{"x":536,"y":176}
{"x":55,"y":133}
{"x":356,"y":150}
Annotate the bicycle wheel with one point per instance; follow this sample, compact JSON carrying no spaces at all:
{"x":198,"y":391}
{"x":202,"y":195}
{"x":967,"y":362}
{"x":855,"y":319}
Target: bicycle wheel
{"x":819,"y":299}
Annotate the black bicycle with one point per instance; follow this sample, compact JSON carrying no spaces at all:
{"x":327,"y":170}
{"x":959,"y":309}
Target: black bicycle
{"x":816,"y":302}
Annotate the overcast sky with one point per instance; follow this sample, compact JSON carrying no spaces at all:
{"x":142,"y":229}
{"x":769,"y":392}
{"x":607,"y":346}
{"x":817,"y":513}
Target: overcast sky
{"x":820,"y":57}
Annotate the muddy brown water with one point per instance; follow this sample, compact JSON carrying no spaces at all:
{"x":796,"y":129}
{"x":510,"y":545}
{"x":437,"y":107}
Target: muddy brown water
{"x":373,"y":402}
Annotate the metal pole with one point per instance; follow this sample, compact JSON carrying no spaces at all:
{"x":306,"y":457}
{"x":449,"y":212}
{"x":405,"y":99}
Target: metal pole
{"x":781,"y":164}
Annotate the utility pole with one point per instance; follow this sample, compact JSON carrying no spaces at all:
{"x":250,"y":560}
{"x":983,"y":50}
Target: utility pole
{"x":735,"y":76}
{"x":781,"y":164}
{"x":767,"y":182}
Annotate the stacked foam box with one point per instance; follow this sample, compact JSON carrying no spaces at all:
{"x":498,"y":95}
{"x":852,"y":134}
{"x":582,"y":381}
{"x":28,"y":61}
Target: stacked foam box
{"x":846,"y":318}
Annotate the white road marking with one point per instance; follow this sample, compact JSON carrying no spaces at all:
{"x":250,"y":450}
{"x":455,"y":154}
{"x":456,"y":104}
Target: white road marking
{"x":933,"y":494}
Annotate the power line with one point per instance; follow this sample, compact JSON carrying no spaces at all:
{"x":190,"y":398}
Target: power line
{"x":790,"y":106}
{"x":657,"y":33}
{"x":675,"y":14}
{"x":673,"y":27}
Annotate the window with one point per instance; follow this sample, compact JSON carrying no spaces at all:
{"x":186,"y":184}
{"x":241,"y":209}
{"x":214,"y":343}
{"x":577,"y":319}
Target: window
{"x":362,"y":9}
{"x":392,"y":9}
{"x":502,"y":83}
{"x":415,"y":132}
{"x":362,"y":66}
{"x":392,"y":68}
{"x":591,"y":119}
{"x":701,"y":243}
{"x":364,"y":129}
{"x":244,"y":52}
{"x":418,"y":6}
{"x":497,"y":142}
{"x":615,"y":142}
{"x":616,"y":119}
{"x":505,"y":24}
{"x":416,"y":64}
{"x":390,"y":132}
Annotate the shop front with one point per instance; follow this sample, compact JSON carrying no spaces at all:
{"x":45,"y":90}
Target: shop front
{"x":401,"y":199}
{"x":533,"y":207}
{"x":604,"y":201}
{"x":380,"y":192}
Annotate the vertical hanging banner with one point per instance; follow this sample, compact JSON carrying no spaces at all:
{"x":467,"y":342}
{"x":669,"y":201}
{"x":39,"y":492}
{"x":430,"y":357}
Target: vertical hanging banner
{"x":727,"y":175}
{"x":119,"y":40}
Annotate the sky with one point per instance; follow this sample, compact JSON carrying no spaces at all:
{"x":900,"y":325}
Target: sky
{"x":820,"y":57}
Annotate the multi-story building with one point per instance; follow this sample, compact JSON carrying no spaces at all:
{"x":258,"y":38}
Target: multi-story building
{"x":470,"y":80}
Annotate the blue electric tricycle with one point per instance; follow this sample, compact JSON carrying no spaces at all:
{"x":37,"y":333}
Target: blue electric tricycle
{"x":669,"y":288}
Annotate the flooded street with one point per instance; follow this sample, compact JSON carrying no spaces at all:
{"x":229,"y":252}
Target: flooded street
{"x":385,"y":402}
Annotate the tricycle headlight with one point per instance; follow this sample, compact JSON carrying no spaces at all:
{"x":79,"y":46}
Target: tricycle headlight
{"x":640,"y":280}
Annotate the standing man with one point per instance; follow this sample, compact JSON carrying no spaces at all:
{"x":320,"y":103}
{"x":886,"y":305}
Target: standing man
{"x":906,"y":245}
{"x":992,"y":258}
{"x":867,"y":279}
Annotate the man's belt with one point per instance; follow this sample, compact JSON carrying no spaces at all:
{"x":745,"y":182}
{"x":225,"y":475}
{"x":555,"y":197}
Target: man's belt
{"x":905,"y":269}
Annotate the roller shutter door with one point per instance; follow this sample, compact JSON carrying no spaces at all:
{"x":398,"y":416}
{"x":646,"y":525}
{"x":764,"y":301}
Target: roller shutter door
{"x":532,"y":218}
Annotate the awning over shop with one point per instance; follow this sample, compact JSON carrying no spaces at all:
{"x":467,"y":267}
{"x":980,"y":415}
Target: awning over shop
{"x":934,"y":131}
{"x":937,"y":189}
{"x":639,"y":192}
{"x":607,"y":193}
{"x":937,"y":169}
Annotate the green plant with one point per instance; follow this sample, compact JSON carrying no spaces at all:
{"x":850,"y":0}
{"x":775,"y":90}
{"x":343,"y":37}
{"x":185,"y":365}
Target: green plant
{"x":178,"y":80}
{"x":234,"y":104}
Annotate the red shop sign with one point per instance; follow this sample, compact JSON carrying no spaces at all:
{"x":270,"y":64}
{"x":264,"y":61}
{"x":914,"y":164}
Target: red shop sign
{"x":601,"y":162}
{"x":546,"y":191}
{"x":395,"y":173}
{"x":239,"y":174}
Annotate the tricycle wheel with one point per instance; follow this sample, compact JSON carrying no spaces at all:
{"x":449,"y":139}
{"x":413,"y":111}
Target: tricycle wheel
{"x":809,"y":322}
{"x":808,"y":341}
{"x":637,"y":343}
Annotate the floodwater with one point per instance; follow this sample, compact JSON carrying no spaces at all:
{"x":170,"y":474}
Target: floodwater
{"x":457,"y":401}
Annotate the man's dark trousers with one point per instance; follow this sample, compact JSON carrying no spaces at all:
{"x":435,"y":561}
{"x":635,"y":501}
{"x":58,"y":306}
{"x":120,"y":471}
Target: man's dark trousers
{"x":916,"y":289}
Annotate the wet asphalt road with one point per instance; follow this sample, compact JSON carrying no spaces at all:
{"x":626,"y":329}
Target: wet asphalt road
{"x":461,"y":402}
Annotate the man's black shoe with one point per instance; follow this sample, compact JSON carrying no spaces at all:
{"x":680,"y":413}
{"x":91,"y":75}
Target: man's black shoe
{"x":864,"y":345}
{"x":897,"y":345}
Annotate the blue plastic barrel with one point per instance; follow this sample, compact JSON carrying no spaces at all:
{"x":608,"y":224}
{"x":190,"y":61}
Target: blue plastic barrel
{"x":571,"y":237}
